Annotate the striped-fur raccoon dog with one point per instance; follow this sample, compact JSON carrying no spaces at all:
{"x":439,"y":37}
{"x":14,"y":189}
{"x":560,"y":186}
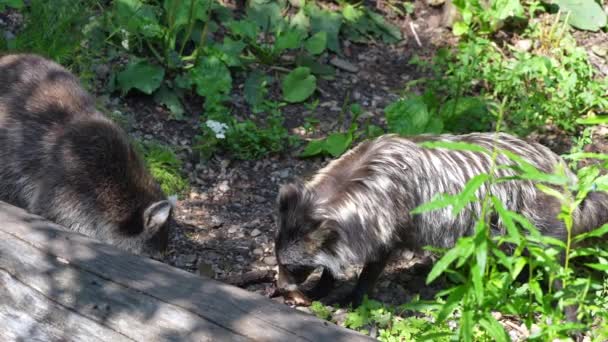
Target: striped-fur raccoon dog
{"x":64,"y":160}
{"x":356,"y":210}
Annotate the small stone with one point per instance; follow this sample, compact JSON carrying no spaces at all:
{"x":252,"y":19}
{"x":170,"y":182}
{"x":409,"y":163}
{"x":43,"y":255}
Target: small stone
{"x":223,"y":186}
{"x":600,"y":50}
{"x":216,"y":222}
{"x":186,"y":260}
{"x":255,"y":232}
{"x":259,"y":199}
{"x":206,"y":270}
{"x":270,"y":260}
{"x":233,"y":229}
{"x":435,"y":3}
{"x":102,"y":70}
{"x":252,"y":224}
{"x":344,"y":64}
{"x":523,"y":45}
{"x":284,"y":173}
{"x":258,"y":252}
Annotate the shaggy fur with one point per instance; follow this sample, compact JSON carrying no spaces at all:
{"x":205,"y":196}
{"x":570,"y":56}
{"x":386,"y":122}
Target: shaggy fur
{"x":62,"y":159}
{"x":357,"y":208}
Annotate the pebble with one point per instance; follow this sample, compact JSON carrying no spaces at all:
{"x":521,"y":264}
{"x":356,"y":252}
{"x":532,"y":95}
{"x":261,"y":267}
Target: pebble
{"x":284,"y":173}
{"x":255,"y":232}
{"x":186,"y":260}
{"x":233,"y":229}
{"x":270,"y":260}
{"x":524,"y":45}
{"x":223,"y":186}
{"x":258,"y":252}
{"x":344,"y":64}
{"x":216,"y":221}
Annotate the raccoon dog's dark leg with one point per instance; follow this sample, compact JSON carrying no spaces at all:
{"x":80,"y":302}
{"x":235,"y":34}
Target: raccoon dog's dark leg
{"x":367,"y":280}
{"x":324,"y":286}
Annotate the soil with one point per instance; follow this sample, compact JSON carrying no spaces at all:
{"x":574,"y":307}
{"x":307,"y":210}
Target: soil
{"x":224,"y":225}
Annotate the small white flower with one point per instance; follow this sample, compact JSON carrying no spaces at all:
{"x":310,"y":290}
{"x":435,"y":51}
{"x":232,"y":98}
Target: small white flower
{"x":219,"y":128}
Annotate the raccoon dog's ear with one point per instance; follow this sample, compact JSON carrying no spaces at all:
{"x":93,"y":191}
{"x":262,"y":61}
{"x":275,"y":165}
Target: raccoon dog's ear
{"x":290,"y":195}
{"x":156,"y":215}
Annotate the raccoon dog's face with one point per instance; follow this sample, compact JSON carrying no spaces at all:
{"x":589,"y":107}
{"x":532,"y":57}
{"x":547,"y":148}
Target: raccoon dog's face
{"x":303,"y":238}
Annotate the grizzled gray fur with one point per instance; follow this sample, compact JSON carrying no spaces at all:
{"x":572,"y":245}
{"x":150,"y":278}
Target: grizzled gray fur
{"x":63,"y":160}
{"x":357,"y":208}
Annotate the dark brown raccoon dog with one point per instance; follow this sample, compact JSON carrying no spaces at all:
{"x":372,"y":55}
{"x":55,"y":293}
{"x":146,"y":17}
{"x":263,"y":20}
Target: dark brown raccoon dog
{"x":64,"y":160}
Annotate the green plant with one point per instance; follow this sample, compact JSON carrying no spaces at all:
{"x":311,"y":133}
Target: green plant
{"x":52,"y":29}
{"x":554,"y":84}
{"x":584,"y":14}
{"x":393,"y":326}
{"x":164,"y":165}
{"x":11,"y":3}
{"x":485,"y":16}
{"x":245,"y":139}
{"x":486,"y":277}
{"x":338,"y":142}
{"x":320,"y":310}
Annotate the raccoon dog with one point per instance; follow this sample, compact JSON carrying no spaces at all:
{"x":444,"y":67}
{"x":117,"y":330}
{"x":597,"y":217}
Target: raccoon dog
{"x":357,"y":208}
{"x":63,"y":160}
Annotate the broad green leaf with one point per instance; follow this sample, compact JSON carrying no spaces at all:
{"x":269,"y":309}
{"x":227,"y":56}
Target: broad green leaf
{"x":408,"y":117}
{"x":243,"y":29}
{"x":168,"y":98}
{"x":231,"y":50}
{"x":351,"y":13}
{"x":142,"y":76}
{"x":211,"y":78}
{"x":301,"y":21}
{"x":289,"y":39}
{"x":137,"y":17}
{"x":11,"y":3}
{"x":180,"y":11}
{"x":460,"y":28}
{"x":313,"y":148}
{"x":338,"y":143}
{"x":317,"y":43}
{"x":503,"y":9}
{"x":265,"y":13}
{"x":584,"y":14}
{"x":298,"y":85}
{"x":255,"y":88}
{"x":325,"y":21}
{"x":465,"y":114}
{"x":392,"y":32}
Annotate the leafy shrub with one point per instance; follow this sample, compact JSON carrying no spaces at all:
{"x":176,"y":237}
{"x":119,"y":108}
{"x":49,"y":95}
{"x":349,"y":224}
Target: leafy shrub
{"x":164,"y":165}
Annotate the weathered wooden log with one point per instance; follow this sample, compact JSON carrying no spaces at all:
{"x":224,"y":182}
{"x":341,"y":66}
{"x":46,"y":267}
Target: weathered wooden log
{"x":57,"y":285}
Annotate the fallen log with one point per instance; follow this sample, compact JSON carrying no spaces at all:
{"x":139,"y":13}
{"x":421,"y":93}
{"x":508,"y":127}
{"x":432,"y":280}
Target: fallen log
{"x":57,"y":285}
